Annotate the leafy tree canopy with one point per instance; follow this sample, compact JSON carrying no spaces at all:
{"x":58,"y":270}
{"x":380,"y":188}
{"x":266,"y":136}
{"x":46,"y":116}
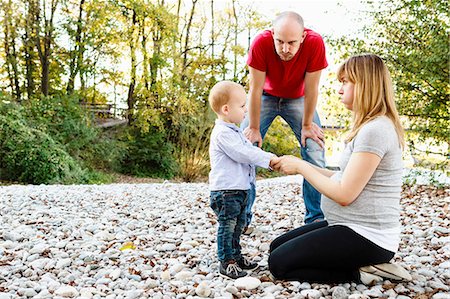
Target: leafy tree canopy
{"x":412,"y":37}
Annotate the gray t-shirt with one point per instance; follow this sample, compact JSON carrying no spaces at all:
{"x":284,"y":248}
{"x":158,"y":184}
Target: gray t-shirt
{"x":378,"y":206}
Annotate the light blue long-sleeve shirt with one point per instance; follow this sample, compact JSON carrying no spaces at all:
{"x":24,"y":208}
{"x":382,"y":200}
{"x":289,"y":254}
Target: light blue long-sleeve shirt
{"x":233,"y":158}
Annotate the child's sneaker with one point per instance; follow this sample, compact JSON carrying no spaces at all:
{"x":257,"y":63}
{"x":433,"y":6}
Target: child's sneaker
{"x":246,"y":264}
{"x":248,"y":230}
{"x":231,"y":269}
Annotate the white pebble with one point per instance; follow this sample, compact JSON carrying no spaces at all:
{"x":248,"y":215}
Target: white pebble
{"x":114,"y":274}
{"x":67,"y":292}
{"x":247,"y":283}
{"x":203,"y":290}
{"x":313,"y":294}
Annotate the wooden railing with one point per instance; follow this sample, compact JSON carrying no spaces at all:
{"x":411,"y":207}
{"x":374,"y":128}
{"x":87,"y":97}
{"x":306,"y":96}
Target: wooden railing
{"x":106,"y":115}
{"x":99,"y":110}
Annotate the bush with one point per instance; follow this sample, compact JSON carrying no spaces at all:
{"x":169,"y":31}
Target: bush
{"x":51,"y":140}
{"x":70,"y":125}
{"x":192,"y":144}
{"x":148,"y":154}
{"x":31,"y":156}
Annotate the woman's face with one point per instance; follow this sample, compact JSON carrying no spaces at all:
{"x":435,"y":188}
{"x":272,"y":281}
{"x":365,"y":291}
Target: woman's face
{"x":347,"y":93}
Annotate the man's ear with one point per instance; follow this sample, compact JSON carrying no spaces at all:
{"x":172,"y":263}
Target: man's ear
{"x":305,"y":33}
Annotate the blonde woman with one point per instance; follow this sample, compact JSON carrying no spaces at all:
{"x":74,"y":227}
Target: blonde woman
{"x":361,"y":200}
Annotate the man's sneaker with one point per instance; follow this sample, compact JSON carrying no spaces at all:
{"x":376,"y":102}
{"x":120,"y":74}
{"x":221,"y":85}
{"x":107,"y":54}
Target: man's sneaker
{"x":245,"y":264}
{"x":248,"y":230}
{"x":231,"y":270}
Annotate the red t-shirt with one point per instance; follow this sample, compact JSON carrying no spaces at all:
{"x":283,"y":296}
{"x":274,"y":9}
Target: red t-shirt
{"x":286,"y":78}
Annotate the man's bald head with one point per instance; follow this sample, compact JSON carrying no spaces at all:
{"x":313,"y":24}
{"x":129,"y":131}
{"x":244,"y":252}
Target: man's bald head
{"x":288,"y":34}
{"x":288,"y":16}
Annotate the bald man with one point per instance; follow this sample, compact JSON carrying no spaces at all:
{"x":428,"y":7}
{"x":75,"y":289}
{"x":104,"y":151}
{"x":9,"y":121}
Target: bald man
{"x":285,"y":65}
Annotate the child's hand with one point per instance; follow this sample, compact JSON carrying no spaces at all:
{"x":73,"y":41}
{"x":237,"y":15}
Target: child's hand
{"x":287,"y":164}
{"x":274,"y":160}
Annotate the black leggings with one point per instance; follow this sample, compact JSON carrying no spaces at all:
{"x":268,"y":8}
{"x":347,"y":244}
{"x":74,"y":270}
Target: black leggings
{"x":320,"y":253}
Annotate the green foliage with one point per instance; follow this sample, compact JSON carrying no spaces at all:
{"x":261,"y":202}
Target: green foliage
{"x":420,"y":176}
{"x":147,"y":154}
{"x":280,"y":139}
{"x":70,"y":125}
{"x":32,"y":156}
{"x":51,"y":140}
{"x":190,"y":130}
{"x":160,"y":59}
{"x":417,"y":49}
{"x":412,"y":37}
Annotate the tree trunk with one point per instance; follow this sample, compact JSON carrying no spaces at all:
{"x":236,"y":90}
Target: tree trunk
{"x":145,"y":63}
{"x":186,"y":42}
{"x":77,"y":54}
{"x":212,"y":30}
{"x":235,"y":40}
{"x":155,"y":61}
{"x":29,"y":52}
{"x":10,"y":51}
{"x":131,"y":97}
{"x":46,"y":43}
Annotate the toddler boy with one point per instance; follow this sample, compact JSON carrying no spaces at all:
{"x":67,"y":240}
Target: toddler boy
{"x":233,"y":160}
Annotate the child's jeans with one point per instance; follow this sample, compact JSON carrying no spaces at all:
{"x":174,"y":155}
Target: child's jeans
{"x":250,"y":200}
{"x":229,"y":206}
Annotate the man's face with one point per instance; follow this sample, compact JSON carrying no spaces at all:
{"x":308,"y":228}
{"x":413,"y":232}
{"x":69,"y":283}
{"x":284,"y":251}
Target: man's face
{"x":288,"y":36}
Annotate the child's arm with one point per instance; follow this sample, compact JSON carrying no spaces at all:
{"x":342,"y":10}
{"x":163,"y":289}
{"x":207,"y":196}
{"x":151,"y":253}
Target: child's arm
{"x":231,"y":144}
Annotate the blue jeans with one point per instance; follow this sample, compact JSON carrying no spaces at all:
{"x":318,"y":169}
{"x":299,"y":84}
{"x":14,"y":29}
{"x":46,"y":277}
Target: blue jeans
{"x":291,"y":110}
{"x":229,"y":206}
{"x":250,"y":201}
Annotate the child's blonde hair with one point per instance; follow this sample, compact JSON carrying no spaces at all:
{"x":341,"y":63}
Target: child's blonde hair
{"x":373,"y":92}
{"x":220,"y":94}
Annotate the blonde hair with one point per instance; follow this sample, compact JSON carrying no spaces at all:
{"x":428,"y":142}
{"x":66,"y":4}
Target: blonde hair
{"x":220,"y":94}
{"x":373,"y":92}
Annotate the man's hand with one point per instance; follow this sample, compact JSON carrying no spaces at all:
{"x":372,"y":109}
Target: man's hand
{"x":314,"y":132}
{"x":254,"y":135}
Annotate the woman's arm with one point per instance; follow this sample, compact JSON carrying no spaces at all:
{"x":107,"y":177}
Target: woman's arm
{"x":358,"y":172}
{"x":326,"y":172}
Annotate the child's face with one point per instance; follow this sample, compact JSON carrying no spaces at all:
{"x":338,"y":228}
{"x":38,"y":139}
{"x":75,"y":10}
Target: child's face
{"x":347,"y":93}
{"x":234,"y":111}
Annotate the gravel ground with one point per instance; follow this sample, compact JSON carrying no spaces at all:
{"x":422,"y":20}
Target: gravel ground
{"x":158,"y":241}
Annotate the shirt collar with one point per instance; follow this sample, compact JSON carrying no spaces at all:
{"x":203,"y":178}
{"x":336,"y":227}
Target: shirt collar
{"x":229,"y":125}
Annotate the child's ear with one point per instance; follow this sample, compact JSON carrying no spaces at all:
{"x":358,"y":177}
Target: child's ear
{"x":225,"y":109}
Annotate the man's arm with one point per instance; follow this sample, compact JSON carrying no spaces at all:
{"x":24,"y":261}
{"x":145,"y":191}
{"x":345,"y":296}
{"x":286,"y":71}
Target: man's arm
{"x":310,"y":129}
{"x":257,"y":79}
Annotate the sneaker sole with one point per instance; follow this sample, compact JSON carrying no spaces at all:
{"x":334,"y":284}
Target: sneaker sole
{"x":250,"y":269}
{"x":228,"y":277}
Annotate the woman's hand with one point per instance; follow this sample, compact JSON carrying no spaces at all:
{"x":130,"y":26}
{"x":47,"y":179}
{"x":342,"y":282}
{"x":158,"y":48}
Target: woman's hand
{"x":287,"y":164}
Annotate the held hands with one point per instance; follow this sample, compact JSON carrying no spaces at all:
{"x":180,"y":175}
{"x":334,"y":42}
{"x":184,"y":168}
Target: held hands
{"x":286,"y":164}
{"x":254,"y":135}
{"x":314,"y":132}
